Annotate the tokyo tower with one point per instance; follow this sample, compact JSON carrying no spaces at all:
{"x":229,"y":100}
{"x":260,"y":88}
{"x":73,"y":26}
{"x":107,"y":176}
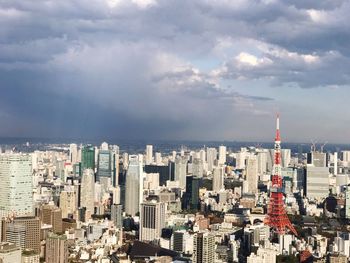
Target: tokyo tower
{"x":277,"y":217}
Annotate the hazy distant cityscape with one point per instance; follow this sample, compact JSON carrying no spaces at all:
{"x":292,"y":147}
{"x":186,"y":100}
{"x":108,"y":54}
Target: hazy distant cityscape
{"x":174,"y":202}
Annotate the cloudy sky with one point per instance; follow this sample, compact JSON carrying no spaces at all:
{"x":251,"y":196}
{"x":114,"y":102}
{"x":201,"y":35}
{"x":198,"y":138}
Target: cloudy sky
{"x":175,"y":69}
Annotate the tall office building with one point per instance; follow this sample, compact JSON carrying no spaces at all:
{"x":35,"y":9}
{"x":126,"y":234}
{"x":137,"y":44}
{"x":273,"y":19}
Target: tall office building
{"x":262,"y":162}
{"x":252,"y":175}
{"x":117,"y":215}
{"x":211,"y":158}
{"x":191,"y":198}
{"x":285,"y":157}
{"x":68,"y":203}
{"x":335,"y":163}
{"x":134,"y":185}
{"x":87,"y":190}
{"x":56,"y":249}
{"x":149,"y":154}
{"x":73,"y":153}
{"x":115,"y":167}
{"x":104,"y":164}
{"x":16,"y":195}
{"x":222,"y":154}
{"x":16,"y":234}
{"x":158,"y":158}
{"x":88,"y":158}
{"x":152,"y":221}
{"x":317,"y":159}
{"x":347,"y":202}
{"x":10,"y":253}
{"x":203,"y":248}
{"x":12,"y":231}
{"x":197,"y":167}
{"x":52,"y":215}
{"x":317,"y":182}
{"x":181,"y":171}
{"x":218,"y":179}
{"x":345,"y":156}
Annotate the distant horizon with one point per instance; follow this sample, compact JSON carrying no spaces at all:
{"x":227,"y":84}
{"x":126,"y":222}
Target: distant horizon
{"x":139,"y":145}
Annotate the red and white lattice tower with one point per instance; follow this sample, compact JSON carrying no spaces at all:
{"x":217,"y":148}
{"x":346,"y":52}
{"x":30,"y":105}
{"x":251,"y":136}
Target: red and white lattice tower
{"x":277,"y":217}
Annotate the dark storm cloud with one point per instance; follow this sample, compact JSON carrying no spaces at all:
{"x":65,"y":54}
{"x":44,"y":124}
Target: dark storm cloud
{"x":125,"y":68}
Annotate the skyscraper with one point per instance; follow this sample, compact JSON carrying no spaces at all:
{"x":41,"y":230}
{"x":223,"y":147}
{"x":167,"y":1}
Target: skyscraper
{"x":191,"y":197}
{"x":73,"y":153}
{"x":16,"y":195}
{"x":222,"y":154}
{"x":68,"y":203}
{"x":252,"y":175}
{"x":181,"y":171}
{"x":56,"y":249}
{"x":197,"y":167}
{"x":104,"y":164}
{"x":88,"y":158}
{"x":203,"y":248}
{"x":117,"y":215}
{"x":317,"y":159}
{"x":12,"y":230}
{"x":211,"y":158}
{"x":87,"y":190}
{"x":52,"y":215}
{"x":347,"y":202}
{"x":218,"y":179}
{"x":149,"y":154}
{"x":285,"y":157}
{"x":134,"y":185}
{"x":152,"y":221}
{"x":317,"y":182}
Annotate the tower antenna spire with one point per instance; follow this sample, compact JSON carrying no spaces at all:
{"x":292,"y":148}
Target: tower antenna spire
{"x":277,"y":217}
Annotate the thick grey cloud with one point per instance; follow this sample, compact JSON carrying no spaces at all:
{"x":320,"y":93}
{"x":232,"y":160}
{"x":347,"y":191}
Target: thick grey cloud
{"x":160,"y":68}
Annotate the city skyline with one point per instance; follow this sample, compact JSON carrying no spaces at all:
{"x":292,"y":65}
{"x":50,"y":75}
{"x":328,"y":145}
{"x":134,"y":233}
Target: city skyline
{"x":175,"y":70}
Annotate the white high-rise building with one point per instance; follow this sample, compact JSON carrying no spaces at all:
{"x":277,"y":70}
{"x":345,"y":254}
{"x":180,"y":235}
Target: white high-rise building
{"x":202,"y":155}
{"x":158,"y":158}
{"x":317,"y":182}
{"x":73,"y":153}
{"x":285,"y":157}
{"x":197,"y":167}
{"x":87,"y":190}
{"x":345,"y":156}
{"x":149,"y":154}
{"x":252,"y":175}
{"x":240,"y":159}
{"x":181,"y":171}
{"x":134,"y":185}
{"x":335,"y":161}
{"x":218,"y":179}
{"x":16,"y":184}
{"x":222,"y":154}
{"x":152,"y":220}
{"x":262,"y":162}
{"x":211,"y":158}
{"x":347,"y":202}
